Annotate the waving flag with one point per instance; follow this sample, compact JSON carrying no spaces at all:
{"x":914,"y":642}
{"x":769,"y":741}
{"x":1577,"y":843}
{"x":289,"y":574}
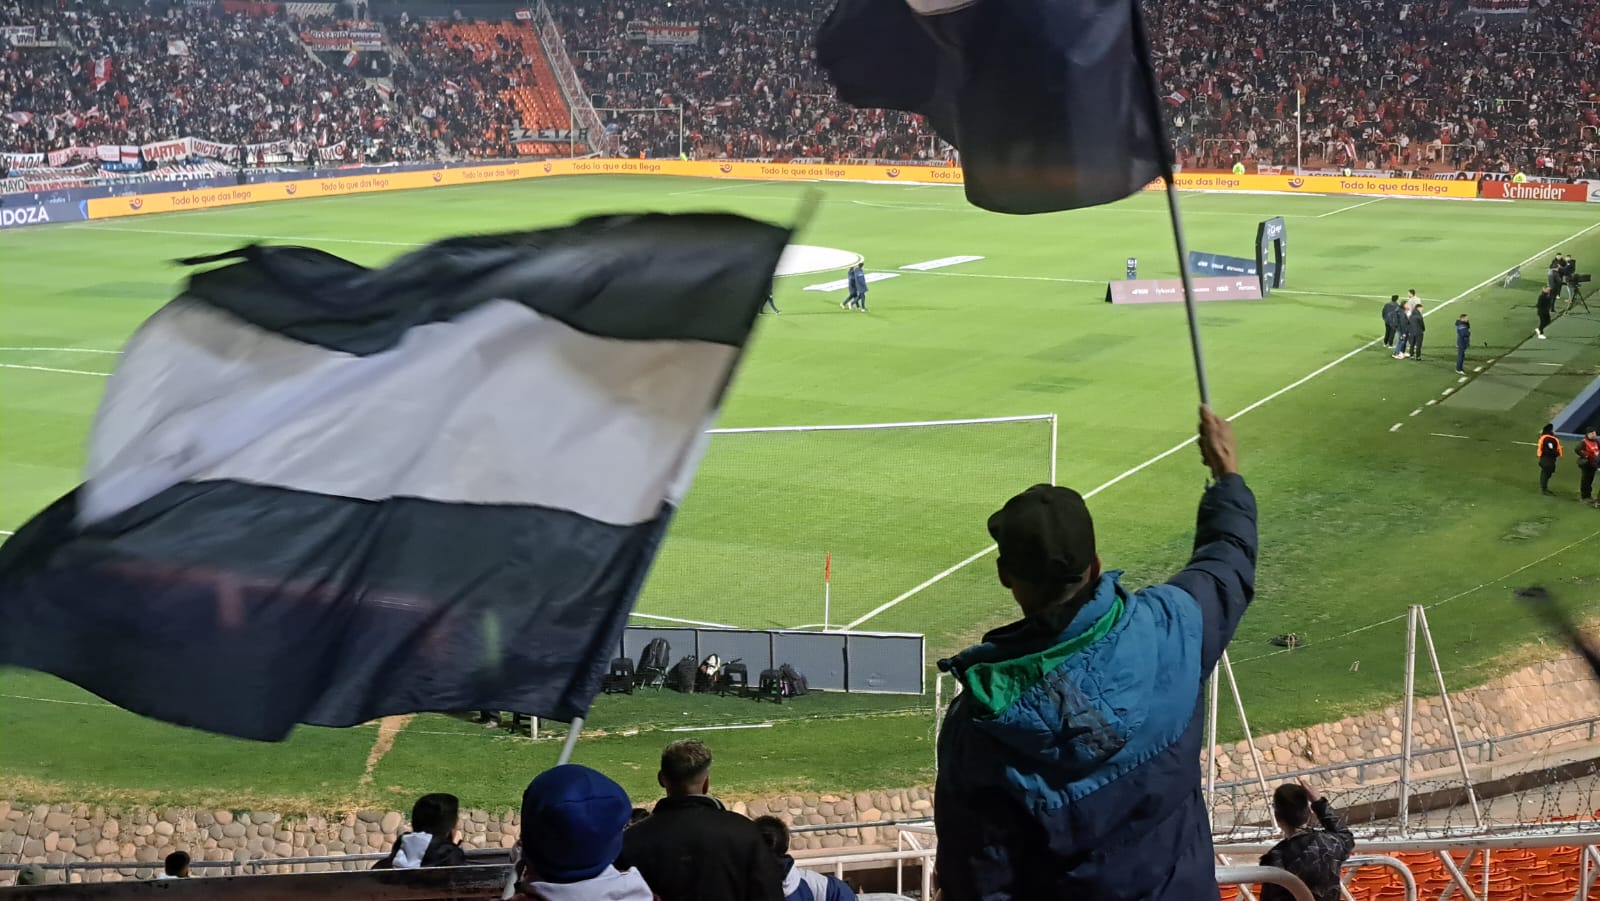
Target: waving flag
{"x":1052,"y":103}
{"x":318,"y":493}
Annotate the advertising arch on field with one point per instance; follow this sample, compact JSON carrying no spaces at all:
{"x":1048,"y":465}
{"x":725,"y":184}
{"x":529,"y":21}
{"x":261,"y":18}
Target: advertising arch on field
{"x":1272,"y":242}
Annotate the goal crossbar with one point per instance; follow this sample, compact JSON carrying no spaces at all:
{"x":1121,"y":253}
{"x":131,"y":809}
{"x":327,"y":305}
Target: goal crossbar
{"x":867,"y":426}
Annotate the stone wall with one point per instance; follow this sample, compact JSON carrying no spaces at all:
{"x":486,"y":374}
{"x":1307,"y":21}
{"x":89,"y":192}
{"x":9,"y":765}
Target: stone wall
{"x":1557,"y":691}
{"x":1548,"y":693}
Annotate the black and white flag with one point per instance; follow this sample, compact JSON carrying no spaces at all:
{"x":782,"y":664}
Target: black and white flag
{"x":320,"y":493}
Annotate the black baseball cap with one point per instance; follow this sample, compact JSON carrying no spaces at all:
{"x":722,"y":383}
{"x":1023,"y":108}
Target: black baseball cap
{"x":1045,"y":535}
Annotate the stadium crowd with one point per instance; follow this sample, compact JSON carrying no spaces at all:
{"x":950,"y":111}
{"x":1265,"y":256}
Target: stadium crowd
{"x":1387,"y":84}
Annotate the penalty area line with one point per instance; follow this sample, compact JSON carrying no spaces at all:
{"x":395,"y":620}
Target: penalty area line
{"x":1499,"y":273}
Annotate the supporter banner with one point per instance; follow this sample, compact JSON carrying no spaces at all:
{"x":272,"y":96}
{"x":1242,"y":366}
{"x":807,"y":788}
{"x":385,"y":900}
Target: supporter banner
{"x":162,"y":151}
{"x":177,"y":47}
{"x":524,"y":14}
{"x":19,"y":34}
{"x":1322,"y":184}
{"x":22,"y":159}
{"x":250,"y":7}
{"x":67,"y":155}
{"x":342,"y":39}
{"x":1170,"y":290}
{"x":676,"y":35}
{"x":1506,"y":190}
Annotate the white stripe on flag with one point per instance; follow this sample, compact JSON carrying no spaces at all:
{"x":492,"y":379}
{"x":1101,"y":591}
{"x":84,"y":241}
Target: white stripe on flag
{"x":514,"y":409}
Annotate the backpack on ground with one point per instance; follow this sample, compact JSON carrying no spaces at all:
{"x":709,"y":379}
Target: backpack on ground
{"x":682,"y":676}
{"x":657,"y":655}
{"x":792,"y":681}
{"x":620,"y":678}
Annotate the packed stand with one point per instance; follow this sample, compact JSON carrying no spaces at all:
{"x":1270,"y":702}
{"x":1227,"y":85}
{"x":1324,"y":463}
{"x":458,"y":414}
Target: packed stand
{"x":137,"y":75}
{"x":749,"y":87}
{"x":1388,"y":84}
{"x":458,"y":84}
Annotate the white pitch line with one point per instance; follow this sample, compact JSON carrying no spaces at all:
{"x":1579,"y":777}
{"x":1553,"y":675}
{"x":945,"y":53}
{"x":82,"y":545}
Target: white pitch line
{"x":326,"y":239}
{"x":1416,"y":411}
{"x":1396,"y":427}
{"x":740,"y":183}
{"x":6,"y":532}
{"x":1332,"y":294}
{"x":1018,"y":278}
{"x":1476,"y":368}
{"x":894,"y":602}
{"x":1354,"y":206}
{"x":53,"y":369}
{"x":720,"y":728}
{"x":1443,"y":435}
{"x":1432,"y":401}
{"x":1460,"y":380}
{"x":690,"y":622}
{"x":62,"y":350}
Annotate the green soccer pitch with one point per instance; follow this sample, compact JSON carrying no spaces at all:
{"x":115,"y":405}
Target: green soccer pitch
{"x":1382,"y":483}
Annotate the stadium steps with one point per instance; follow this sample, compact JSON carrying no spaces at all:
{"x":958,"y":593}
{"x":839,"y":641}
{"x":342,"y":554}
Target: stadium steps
{"x":538,"y":100}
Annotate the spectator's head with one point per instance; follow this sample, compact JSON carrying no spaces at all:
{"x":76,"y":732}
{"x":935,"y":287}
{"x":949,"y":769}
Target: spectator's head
{"x":1462,"y":318}
{"x":1291,"y":807}
{"x":685,"y":768}
{"x":1047,"y":552}
{"x":1590,"y":434}
{"x":1411,"y":293}
{"x":572,"y":824}
{"x":638,"y":816}
{"x":1417,"y":306}
{"x":1394,"y":298}
{"x":1549,"y":429}
{"x":32,"y":874}
{"x":177,"y":865}
{"x":775,"y":833}
{"x":436,"y":814}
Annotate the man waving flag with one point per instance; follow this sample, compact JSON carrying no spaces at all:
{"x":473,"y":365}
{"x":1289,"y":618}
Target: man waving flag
{"x":321,"y":493}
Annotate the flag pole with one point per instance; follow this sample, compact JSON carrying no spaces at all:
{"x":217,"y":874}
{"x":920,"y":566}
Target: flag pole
{"x":1189,"y":306}
{"x":571,"y":742}
{"x":827,"y":592}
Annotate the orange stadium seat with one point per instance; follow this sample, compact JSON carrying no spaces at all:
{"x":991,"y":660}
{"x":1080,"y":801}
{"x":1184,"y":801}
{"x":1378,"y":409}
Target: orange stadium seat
{"x":538,"y":99}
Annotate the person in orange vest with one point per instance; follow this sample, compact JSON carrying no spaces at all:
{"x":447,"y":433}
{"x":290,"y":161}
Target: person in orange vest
{"x":1588,"y":463}
{"x":1549,"y":453}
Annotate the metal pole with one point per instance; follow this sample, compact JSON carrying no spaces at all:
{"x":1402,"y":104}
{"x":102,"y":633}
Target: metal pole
{"x":827,"y":604}
{"x":1211,"y":744}
{"x":1244,"y":720}
{"x":571,"y":742}
{"x":1409,"y":709}
{"x":572,"y":133}
{"x":1450,"y":717}
{"x":680,"y":128}
{"x":1054,"y":444}
{"x":1188,"y":290}
{"x":1298,"y":143}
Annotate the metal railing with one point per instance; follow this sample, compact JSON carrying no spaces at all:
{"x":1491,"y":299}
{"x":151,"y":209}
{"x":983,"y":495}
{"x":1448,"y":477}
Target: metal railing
{"x":579,"y":108}
{"x":1485,"y":748}
{"x":1478,"y":855}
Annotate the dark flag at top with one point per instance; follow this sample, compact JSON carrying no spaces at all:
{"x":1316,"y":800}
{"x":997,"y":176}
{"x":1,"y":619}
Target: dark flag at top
{"x":1052,"y":103}
{"x":320,"y":493}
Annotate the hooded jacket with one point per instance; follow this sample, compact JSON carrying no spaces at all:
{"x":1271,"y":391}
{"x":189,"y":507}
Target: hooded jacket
{"x":1069,"y":764}
{"x":611,"y":885}
{"x":800,"y":884}
{"x":419,"y":849}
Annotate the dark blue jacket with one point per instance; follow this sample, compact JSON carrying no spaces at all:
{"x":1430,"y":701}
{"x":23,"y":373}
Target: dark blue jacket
{"x":1463,"y":334}
{"x":1069,"y":765}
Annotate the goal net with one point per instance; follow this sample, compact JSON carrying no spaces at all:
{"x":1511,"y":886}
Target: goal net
{"x":892,"y":503}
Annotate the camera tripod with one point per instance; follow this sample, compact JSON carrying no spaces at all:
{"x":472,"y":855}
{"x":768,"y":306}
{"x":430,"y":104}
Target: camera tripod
{"x":1577,"y":298}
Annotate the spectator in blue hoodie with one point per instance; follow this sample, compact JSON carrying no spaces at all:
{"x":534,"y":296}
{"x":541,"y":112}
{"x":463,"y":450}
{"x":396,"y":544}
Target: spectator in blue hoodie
{"x":800,"y":884}
{"x":1463,"y":341}
{"x":1069,"y":764}
{"x":572,"y":824}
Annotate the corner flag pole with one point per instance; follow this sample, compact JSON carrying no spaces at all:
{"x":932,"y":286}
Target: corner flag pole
{"x":827,"y":591}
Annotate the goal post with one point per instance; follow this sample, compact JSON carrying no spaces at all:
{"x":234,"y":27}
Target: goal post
{"x":814,"y":525}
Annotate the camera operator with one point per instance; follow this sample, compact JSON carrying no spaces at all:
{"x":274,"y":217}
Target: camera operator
{"x":1569,"y":276}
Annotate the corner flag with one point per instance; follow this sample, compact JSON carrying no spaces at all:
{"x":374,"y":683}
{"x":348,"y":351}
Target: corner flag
{"x":320,"y":493}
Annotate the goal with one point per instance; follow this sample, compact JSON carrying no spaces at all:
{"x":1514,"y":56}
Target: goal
{"x":891,"y":503}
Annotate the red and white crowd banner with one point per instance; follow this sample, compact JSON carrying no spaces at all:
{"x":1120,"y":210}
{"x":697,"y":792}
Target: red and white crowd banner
{"x":162,"y":151}
{"x":343,"y":39}
{"x":524,"y":14}
{"x":1506,"y":190}
{"x":20,"y":35}
{"x":672,"y":35}
{"x":59,"y":158}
